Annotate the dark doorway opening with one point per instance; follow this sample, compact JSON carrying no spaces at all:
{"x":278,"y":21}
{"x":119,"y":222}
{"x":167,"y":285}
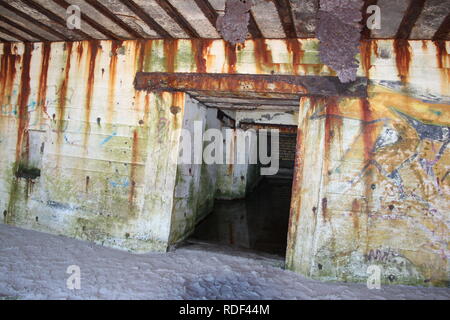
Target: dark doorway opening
{"x":259,"y":222}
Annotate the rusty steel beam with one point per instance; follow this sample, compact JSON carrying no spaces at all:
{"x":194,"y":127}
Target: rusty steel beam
{"x":366,"y":32}
{"x":283,"y":128}
{"x":306,"y":85}
{"x":443,"y":30}
{"x":287,"y":21}
{"x":13,"y":34}
{"x":137,"y":10}
{"x":33,"y":20}
{"x":409,"y":19}
{"x":19,"y":27}
{"x":97,"y":26}
{"x":53,"y":17}
{"x":111,"y":16}
{"x":178,"y":17}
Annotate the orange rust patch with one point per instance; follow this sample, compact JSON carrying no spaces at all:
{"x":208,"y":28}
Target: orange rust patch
{"x":402,"y":58}
{"x":7,"y":73}
{"x":91,"y":58}
{"x":424,"y":45}
{"x":366,"y":55}
{"x":295,"y":49}
{"x":62,"y":99}
{"x":263,"y":55}
{"x":375,"y":48}
{"x":24,"y":94}
{"x":112,"y":79}
{"x":79,"y":51}
{"x":42,"y":90}
{"x":200,"y":48}
{"x":231,"y":57}
{"x":368,"y":134}
{"x":170,"y":52}
{"x":134,"y":160}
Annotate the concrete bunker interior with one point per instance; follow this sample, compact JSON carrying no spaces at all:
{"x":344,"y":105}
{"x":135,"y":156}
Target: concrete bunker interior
{"x":91,"y":121}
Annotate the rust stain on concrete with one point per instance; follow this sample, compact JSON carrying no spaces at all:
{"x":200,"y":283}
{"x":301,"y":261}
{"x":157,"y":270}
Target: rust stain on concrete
{"x":115,"y":45}
{"x":403,"y":58}
{"x":24,"y":94}
{"x":93,"y":47}
{"x":42,"y":90}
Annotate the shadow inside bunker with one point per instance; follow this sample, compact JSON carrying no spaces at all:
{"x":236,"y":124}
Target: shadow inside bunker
{"x":258,"y":223}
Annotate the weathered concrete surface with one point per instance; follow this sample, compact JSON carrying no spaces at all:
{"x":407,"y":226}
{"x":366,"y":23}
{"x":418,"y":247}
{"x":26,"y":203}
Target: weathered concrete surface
{"x":84,"y":154}
{"x":371,"y":183}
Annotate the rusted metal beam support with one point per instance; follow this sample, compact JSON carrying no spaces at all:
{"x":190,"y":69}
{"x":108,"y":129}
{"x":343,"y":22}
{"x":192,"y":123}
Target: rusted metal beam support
{"x":64,"y":4}
{"x":366,"y":32}
{"x":178,"y":17}
{"x":306,"y":85}
{"x":54,"y":17}
{"x":33,"y":20}
{"x":111,"y":16}
{"x":409,"y":19}
{"x":283,"y":128}
{"x":19,"y":27}
{"x":444,"y":29}
{"x":146,"y":18}
{"x":287,"y":21}
{"x":13,"y":34}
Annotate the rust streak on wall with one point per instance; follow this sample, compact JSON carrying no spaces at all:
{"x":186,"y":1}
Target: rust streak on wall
{"x":93,"y":47}
{"x":62,"y":98}
{"x":42,"y":90}
{"x":8,"y":73}
{"x":366,"y":54}
{"x":231,"y":57}
{"x":263,"y":55}
{"x":200,"y":50}
{"x":403,"y":58}
{"x":24,"y":94}
{"x":115,"y":45}
{"x":170,"y":53}
{"x":295,"y":49}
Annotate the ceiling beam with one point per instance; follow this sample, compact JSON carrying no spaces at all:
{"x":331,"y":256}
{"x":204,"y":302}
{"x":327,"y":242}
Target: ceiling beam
{"x":366,"y":32}
{"x":178,"y":17}
{"x":137,"y":10}
{"x":111,"y":16}
{"x":19,"y":27}
{"x":443,"y":30}
{"x":33,"y":20}
{"x":409,"y":19}
{"x":64,"y":4}
{"x":55,"y":18}
{"x":287,"y":21}
{"x":208,"y":11}
{"x":253,"y":28}
{"x":14,"y":35}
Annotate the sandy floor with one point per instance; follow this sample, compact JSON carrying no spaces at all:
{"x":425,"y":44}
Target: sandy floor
{"x":33,"y":265}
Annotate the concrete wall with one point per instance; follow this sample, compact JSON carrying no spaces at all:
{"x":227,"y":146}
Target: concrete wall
{"x":103,"y":149}
{"x":371,"y":180}
{"x":372,"y":184}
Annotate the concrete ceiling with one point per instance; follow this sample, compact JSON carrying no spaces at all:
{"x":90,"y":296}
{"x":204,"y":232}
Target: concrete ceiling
{"x":45,"y":20}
